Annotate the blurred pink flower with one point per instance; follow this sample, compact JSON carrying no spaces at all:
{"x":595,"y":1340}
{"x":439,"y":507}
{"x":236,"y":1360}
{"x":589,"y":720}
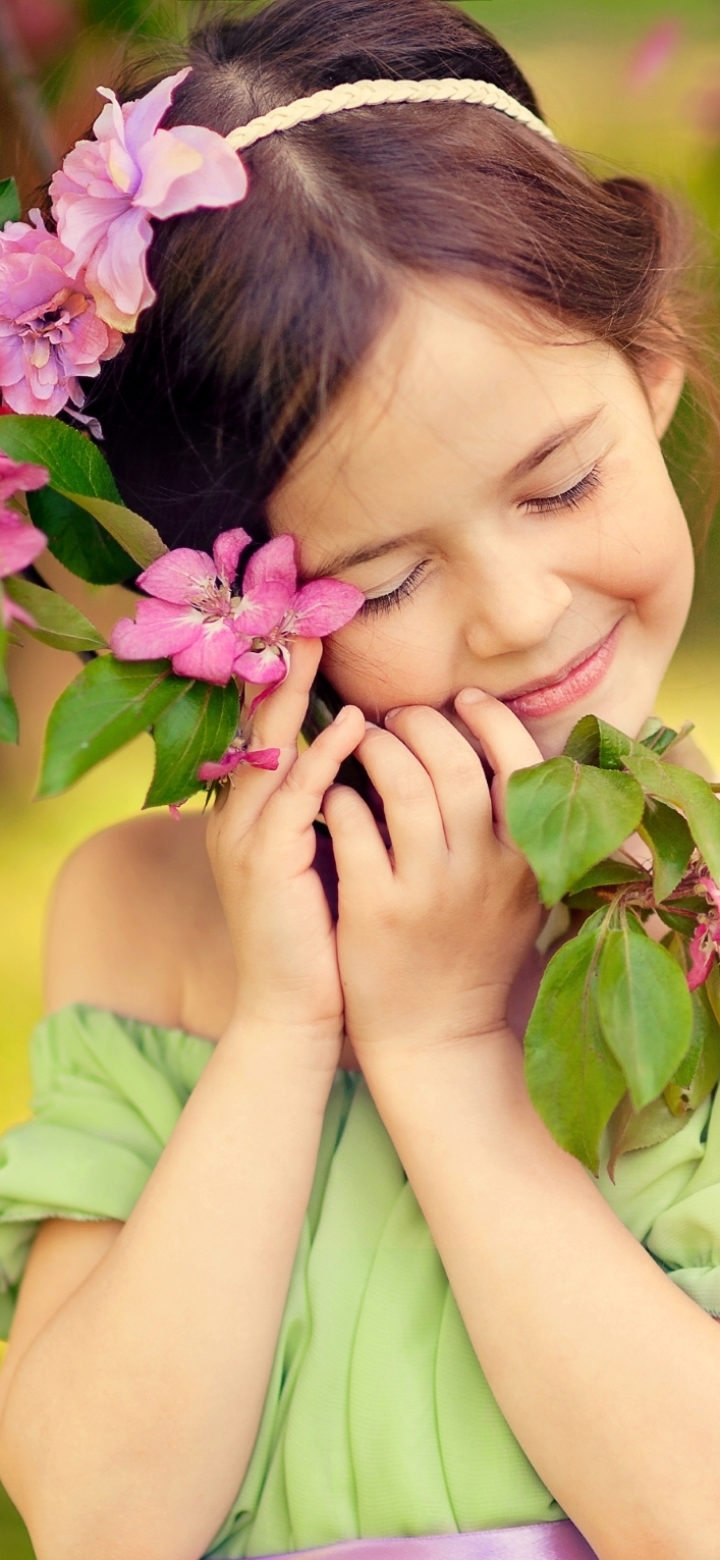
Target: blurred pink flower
{"x":654,"y":52}
{"x":108,"y":189}
{"x":11,"y":613}
{"x":261,"y":758}
{"x":705,"y":943}
{"x":50,"y":334}
{"x":317,"y":609}
{"x":194,"y":616}
{"x":19,"y":476}
{"x":20,"y":544}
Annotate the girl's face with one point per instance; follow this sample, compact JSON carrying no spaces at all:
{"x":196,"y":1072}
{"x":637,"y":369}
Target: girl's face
{"x":502,"y":500}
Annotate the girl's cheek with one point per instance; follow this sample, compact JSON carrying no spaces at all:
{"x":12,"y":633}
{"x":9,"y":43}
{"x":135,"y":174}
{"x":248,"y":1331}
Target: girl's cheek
{"x":377,"y":668}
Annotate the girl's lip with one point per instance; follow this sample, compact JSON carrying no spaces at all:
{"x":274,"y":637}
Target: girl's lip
{"x":572,"y":683}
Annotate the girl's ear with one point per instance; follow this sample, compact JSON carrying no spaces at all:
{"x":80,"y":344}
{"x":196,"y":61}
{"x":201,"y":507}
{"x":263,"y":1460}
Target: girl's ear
{"x":663,"y":380}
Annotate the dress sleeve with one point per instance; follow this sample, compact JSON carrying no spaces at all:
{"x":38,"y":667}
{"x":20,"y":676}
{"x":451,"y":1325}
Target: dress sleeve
{"x":107,"y":1092}
{"x":668,"y":1196}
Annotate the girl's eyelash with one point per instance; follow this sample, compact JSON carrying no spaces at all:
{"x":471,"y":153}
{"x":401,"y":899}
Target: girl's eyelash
{"x":379,"y":604}
{"x":570,"y":499}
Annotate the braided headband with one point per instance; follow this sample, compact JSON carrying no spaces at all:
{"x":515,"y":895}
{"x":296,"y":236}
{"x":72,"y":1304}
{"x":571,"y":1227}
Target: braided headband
{"x":371,"y":94}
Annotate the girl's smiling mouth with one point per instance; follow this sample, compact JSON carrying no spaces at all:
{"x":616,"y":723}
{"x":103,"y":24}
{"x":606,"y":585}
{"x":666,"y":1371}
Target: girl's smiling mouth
{"x":574,"y":681}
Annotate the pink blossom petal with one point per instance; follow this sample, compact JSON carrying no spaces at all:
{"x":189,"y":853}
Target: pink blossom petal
{"x":711,"y":891}
{"x":262,"y":758}
{"x":227,"y":549}
{"x":174,"y":811}
{"x":211,"y":656}
{"x":262,"y":667}
{"x":180,"y":576}
{"x":161,"y":629}
{"x":142,"y":116}
{"x":273,"y":564}
{"x":20,"y":544}
{"x":189,"y":168}
{"x":260,"y":611}
{"x":10,"y":613}
{"x":701,"y":959}
{"x":116,"y":273}
{"x":323,"y":607}
{"x":20,"y":477}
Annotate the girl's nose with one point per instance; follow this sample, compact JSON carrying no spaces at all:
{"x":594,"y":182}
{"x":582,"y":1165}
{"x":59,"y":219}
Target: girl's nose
{"x":513,"y":606}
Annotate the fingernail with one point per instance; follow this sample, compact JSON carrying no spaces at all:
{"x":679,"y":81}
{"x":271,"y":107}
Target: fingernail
{"x":370,"y":726}
{"x":471,"y":696}
{"x":342,"y":715}
{"x":392,"y":713}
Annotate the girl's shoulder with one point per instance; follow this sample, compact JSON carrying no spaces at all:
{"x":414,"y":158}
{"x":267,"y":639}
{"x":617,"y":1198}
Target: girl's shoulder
{"x":136,"y":926}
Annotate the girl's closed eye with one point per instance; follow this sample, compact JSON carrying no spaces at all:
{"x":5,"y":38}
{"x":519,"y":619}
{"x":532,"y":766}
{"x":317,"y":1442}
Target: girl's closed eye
{"x":393,"y":598}
{"x":571,"y":498}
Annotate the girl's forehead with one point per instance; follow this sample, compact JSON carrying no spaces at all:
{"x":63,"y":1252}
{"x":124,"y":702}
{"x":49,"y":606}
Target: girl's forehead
{"x":457,"y":390}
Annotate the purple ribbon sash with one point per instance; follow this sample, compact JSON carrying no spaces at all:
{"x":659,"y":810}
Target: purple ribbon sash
{"x":542,"y":1541}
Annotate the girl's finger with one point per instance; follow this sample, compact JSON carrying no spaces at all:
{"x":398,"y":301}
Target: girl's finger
{"x":504,"y":740}
{"x":455,"y":770}
{"x":360,"y":855}
{"x":298,"y":801}
{"x":277,"y":724}
{"x":408,"y":796}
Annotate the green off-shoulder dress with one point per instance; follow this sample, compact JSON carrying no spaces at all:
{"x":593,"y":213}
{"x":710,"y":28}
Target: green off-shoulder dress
{"x":378,"y":1419}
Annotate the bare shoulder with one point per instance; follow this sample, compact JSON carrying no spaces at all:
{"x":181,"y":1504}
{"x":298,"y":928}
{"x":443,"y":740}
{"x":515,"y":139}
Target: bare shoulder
{"x":129,"y":910}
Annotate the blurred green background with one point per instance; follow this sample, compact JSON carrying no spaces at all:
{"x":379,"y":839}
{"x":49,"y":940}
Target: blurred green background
{"x":633,"y":84}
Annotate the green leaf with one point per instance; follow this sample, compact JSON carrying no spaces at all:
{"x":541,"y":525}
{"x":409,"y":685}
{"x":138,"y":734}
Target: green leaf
{"x":658,"y":737}
{"x":58,"y":623}
{"x":671,"y":843}
{"x":198,"y":728}
{"x":73,"y":461}
{"x":700,"y":1070}
{"x":573,"y":1080}
{"x":608,"y":874}
{"x":565,"y":817}
{"x":645,"y":1010}
{"x":681,"y":788}
{"x":10,"y":207}
{"x":135,"y":535}
{"x":593,"y":741}
{"x":106,"y":706}
{"x":77,"y":541}
{"x":9,"y":723}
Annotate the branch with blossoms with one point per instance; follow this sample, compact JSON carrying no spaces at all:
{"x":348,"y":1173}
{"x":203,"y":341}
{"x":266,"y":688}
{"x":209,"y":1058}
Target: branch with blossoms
{"x":624,"y":1038}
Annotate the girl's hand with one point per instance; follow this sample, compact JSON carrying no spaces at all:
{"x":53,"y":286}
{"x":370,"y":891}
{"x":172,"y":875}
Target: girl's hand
{"x":261,"y":843}
{"x":432,"y":934}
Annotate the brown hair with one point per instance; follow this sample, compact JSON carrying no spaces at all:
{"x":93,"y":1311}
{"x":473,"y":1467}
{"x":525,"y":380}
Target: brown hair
{"x":265,"y":309}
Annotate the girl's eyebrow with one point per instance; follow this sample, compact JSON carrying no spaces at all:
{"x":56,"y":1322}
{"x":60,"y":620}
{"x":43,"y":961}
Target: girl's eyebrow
{"x":552,"y":442}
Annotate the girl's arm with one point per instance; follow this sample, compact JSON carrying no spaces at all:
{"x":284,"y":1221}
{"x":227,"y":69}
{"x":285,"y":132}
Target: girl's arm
{"x":128,"y":1422}
{"x":608,"y":1375}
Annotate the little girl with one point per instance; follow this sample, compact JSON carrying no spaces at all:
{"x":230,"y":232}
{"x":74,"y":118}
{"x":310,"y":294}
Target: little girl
{"x":307,"y":1270}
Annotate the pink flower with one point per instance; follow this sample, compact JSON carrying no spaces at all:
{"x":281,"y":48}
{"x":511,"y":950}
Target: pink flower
{"x":18,"y":476}
{"x":705,"y":942}
{"x":317,"y":609}
{"x":654,"y":53}
{"x":262,"y":758}
{"x":212,"y":634}
{"x":194,"y":617}
{"x":50,"y":334}
{"x":109,"y":188}
{"x":20,"y":544}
